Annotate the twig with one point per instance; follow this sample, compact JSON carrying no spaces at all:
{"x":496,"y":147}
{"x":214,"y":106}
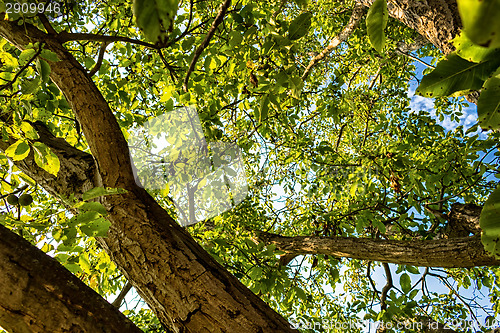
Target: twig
{"x":204,"y":44}
{"x":65,"y":36}
{"x":387,"y":287}
{"x":356,"y":16}
{"x":3,"y":86}
{"x":46,"y":24}
{"x":415,"y":58}
{"x":369,"y":275}
{"x":340,"y":136}
{"x":187,"y":26}
{"x":22,"y":188}
{"x":118,"y":301}
{"x":171,"y":68}
{"x":98,"y":64}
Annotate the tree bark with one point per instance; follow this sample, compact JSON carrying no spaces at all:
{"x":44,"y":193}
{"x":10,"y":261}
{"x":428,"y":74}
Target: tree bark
{"x":37,"y":294}
{"x":437,"y":21}
{"x":187,"y":289}
{"x":450,"y":253}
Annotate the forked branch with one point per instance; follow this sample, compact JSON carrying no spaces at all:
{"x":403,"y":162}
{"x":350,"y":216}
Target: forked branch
{"x":356,"y":17}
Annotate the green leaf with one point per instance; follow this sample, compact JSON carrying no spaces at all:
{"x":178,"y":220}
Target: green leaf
{"x":300,"y":293}
{"x":376,"y":21}
{"x":235,"y":38}
{"x":30,"y":86}
{"x":299,"y":26}
{"x":481,"y":21}
{"x":49,"y":55}
{"x":470,"y":51}
{"x":43,"y":68}
{"x":405,"y":282}
{"x":46,"y":159}
{"x":490,"y":223}
{"x":25,"y":56}
{"x":85,"y":217}
{"x":296,"y":85}
{"x":455,"y":74}
{"x":101,"y":191}
{"x":154,"y":17}
{"x":264,"y":108}
{"x":18,"y":150}
{"x":488,"y":105}
{"x":412,"y":269}
{"x":29,"y":131}
{"x":92,"y":206}
{"x":73,"y":268}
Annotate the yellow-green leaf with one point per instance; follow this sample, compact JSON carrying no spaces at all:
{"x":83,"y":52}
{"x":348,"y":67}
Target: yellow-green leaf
{"x":46,"y":159}
{"x":18,"y":150}
{"x":481,"y":21}
{"x":488,"y":105}
{"x":376,"y":21}
{"x":29,"y":131}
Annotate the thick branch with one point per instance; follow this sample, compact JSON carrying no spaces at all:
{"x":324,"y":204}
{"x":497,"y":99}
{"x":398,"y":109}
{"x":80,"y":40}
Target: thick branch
{"x":451,"y":253}
{"x":108,"y":146}
{"x":204,"y":44}
{"x":356,"y":17}
{"x":77,"y":172}
{"x":40,"y":295}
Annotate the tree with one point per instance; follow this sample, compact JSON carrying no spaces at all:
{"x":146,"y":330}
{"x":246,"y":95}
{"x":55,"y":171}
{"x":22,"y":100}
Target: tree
{"x":315,"y":94}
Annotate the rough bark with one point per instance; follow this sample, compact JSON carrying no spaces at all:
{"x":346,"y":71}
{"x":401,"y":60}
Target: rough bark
{"x":463,"y":220}
{"x":436,"y":20}
{"x":37,"y":294}
{"x":77,"y":172}
{"x":450,"y":253}
{"x":188,"y":290}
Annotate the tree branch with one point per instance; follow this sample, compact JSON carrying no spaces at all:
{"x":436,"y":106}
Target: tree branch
{"x":65,"y":36}
{"x":32,"y":280}
{"x":204,"y":44}
{"x":100,"y":58}
{"x":119,"y":299}
{"x":8,"y":84}
{"x":356,"y":16}
{"x":387,"y":287}
{"x":450,"y":253}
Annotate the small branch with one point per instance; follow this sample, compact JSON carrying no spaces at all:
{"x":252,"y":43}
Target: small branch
{"x":98,"y":64}
{"x":119,"y":300}
{"x":22,"y":188}
{"x":46,"y":24}
{"x":204,"y":44}
{"x":171,"y":68}
{"x":187,"y":26}
{"x":387,"y":287}
{"x":356,"y":16}
{"x":415,"y":58}
{"x":369,"y":276}
{"x":8,"y":84}
{"x":340,"y":137}
{"x":64,"y":37}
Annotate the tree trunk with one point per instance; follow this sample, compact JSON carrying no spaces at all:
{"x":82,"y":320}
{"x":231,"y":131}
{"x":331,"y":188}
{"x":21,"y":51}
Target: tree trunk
{"x":37,"y":294}
{"x":186,"y":288}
